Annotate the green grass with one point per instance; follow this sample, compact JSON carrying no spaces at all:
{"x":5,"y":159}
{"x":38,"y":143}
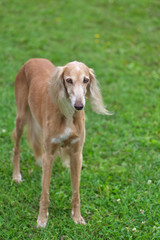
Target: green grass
{"x":120,"y":40}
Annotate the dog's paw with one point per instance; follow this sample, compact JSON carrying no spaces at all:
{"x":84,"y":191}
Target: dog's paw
{"x":42,"y":222}
{"x":79,"y":219}
{"x":17,"y":178}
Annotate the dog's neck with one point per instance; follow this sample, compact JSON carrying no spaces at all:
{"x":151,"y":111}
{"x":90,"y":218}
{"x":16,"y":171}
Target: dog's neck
{"x":66,"y":108}
{"x":67,"y":111}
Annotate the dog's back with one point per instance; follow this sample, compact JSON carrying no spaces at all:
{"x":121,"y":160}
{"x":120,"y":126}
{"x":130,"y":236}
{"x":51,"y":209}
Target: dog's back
{"x":35,"y":72}
{"x":37,"y":68}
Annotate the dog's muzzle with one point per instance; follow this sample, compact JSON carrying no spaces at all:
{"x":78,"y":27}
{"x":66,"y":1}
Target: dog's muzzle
{"x":78,"y":106}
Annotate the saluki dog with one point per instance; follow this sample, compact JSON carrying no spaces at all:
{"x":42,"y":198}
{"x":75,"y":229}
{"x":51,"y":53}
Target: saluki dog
{"x":50,"y":101}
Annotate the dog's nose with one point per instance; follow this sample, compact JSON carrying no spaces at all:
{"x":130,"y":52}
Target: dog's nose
{"x":78,"y":106}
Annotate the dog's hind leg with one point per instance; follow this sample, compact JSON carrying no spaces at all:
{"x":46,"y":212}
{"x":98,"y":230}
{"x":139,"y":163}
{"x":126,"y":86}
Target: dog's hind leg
{"x":35,"y":138}
{"x":21,"y":95}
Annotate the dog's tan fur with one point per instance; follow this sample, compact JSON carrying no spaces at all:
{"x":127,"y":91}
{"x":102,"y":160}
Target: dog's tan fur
{"x":50,"y":101}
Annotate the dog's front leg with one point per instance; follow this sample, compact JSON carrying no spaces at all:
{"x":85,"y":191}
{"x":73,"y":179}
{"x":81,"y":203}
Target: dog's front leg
{"x":47,"y":163}
{"x":76,"y":164}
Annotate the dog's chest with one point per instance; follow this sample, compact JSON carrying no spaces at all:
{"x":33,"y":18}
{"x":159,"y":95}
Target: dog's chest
{"x":69,"y":136}
{"x":71,"y":131}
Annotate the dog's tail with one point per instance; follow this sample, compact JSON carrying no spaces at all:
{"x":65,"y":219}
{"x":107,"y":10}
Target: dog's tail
{"x":34,"y":137}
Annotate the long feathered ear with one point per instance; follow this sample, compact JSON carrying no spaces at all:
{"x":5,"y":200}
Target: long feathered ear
{"x":95,"y":97}
{"x":57,"y":93}
{"x":57,"y":90}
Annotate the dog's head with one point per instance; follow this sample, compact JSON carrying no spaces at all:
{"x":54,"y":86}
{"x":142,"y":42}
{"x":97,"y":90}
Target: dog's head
{"x":71,"y":84}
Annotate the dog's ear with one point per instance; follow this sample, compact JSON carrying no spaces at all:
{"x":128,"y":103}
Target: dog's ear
{"x":57,"y":89}
{"x":94,"y":95}
{"x":58,"y":92}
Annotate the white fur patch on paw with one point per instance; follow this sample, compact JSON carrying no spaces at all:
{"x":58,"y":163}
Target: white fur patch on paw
{"x":41,"y":223}
{"x":78,"y":220}
{"x":17,"y":178}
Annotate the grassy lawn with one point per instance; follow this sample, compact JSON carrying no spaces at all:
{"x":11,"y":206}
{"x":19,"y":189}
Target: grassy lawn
{"x":120,"y":181}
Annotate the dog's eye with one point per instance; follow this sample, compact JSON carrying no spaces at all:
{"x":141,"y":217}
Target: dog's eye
{"x":85,"y":80}
{"x":69,"y":80}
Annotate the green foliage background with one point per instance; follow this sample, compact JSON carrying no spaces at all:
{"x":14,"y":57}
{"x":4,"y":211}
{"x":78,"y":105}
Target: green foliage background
{"x":120,"y":40}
